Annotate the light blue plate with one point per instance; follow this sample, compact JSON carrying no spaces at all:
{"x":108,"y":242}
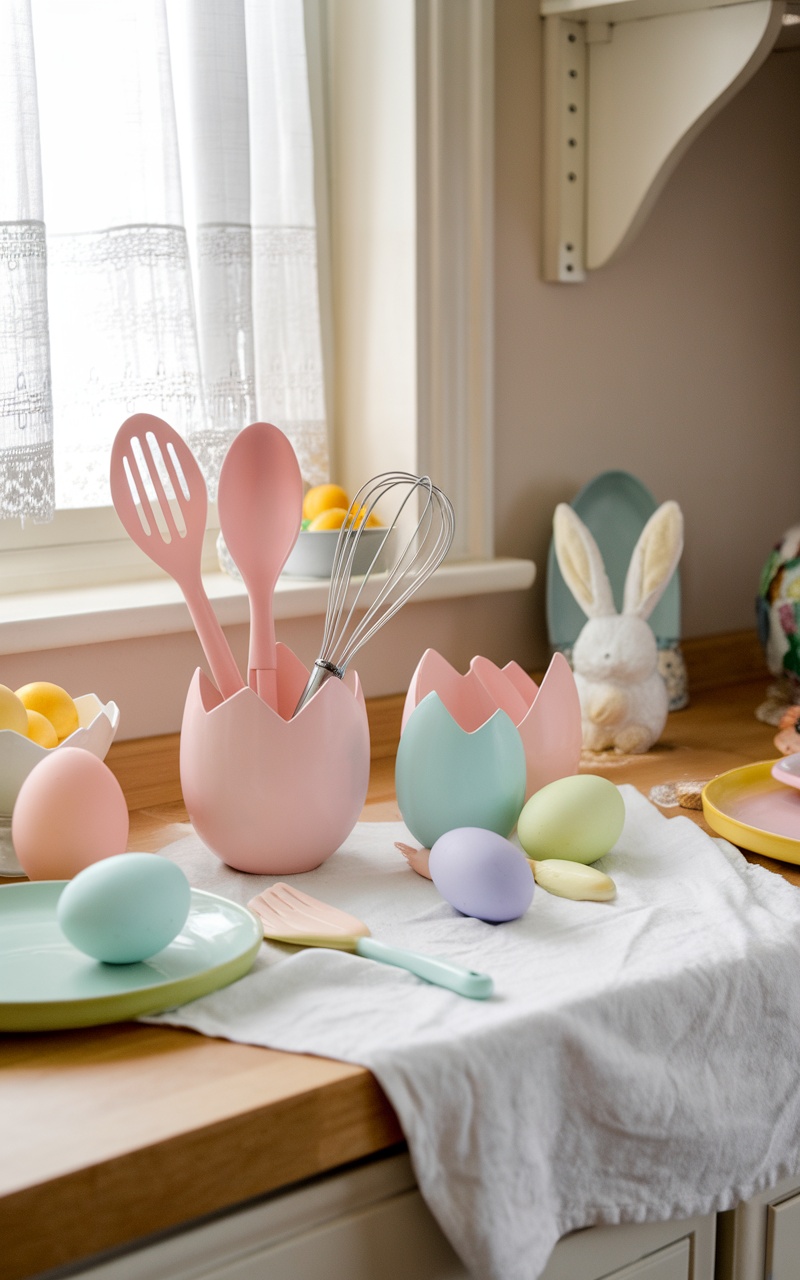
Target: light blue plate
{"x":46,"y":984}
{"x":615,"y":507}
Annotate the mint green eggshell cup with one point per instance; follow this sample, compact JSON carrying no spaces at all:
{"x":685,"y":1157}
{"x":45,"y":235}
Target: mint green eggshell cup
{"x":446,"y":777}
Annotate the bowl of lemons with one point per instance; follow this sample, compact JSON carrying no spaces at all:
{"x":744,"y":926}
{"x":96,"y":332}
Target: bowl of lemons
{"x":325,"y":509}
{"x":35,"y":720}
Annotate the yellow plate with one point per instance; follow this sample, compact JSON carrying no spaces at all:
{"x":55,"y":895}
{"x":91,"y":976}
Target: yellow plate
{"x":753,"y":810}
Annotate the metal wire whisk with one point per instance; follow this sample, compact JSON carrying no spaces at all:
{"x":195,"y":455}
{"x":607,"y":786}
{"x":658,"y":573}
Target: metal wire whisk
{"x":410,"y":563}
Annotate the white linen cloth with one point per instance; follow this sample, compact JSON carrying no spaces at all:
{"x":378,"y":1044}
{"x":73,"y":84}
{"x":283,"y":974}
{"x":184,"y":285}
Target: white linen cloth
{"x":638,"y":1060}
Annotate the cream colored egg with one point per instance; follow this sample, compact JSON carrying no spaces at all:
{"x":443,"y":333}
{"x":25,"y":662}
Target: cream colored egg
{"x":573,"y":880}
{"x":577,"y":818}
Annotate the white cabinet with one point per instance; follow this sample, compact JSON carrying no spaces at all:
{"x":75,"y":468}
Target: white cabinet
{"x":760,"y":1239}
{"x":371,"y":1223}
{"x":783,"y":1239}
{"x":650,"y":1251}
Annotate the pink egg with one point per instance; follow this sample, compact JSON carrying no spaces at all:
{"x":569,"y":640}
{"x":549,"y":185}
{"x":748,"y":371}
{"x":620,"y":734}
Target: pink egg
{"x":70,"y":812}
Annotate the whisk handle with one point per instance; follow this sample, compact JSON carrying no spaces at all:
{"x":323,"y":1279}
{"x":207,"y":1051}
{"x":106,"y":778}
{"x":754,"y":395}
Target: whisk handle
{"x":322,"y":671}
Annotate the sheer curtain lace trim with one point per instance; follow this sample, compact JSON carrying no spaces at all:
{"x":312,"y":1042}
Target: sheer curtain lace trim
{"x":27,"y":482}
{"x":26,"y":406}
{"x":133,"y":339}
{"x":121,"y":302}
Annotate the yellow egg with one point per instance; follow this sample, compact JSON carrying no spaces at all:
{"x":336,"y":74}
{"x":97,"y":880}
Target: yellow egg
{"x":577,"y":818}
{"x":332,"y":518}
{"x":322,"y":498}
{"x":52,"y":702}
{"x":12,"y":712}
{"x":41,"y":730}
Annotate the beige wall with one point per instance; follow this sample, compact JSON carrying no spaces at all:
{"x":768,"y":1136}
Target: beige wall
{"x":679,"y":362}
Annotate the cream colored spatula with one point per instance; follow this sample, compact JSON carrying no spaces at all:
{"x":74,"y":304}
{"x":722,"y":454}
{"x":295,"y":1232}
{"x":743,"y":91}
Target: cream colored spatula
{"x":289,"y":915}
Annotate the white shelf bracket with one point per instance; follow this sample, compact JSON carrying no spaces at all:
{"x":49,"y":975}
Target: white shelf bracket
{"x":565,"y":169}
{"x":628,"y":86}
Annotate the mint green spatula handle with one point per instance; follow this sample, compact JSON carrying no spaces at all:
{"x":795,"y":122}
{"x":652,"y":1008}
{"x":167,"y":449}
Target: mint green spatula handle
{"x":466,"y":982}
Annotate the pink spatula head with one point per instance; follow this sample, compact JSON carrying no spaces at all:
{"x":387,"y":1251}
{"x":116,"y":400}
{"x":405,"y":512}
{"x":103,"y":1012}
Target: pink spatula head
{"x":289,"y":915}
{"x":160,"y":496}
{"x":260,"y":501}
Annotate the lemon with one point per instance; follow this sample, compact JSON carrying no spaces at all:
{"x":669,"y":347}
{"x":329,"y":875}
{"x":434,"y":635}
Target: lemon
{"x":322,"y":498}
{"x":52,"y":702}
{"x":332,"y":518}
{"x":40,"y":729}
{"x":372,"y":520}
{"x":12,"y":712}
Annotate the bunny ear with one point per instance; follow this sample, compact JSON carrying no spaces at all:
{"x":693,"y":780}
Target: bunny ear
{"x":654,"y":559}
{"x":581,"y":564}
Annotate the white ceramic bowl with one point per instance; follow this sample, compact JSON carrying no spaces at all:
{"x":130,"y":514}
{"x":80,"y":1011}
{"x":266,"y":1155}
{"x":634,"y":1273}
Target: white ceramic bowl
{"x":97,"y":725}
{"x":312,"y":556}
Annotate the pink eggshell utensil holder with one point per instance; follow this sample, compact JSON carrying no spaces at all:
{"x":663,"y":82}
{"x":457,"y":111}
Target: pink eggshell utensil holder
{"x":269,"y":793}
{"x":547,"y":716}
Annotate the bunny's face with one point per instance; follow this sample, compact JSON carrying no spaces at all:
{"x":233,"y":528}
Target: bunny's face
{"x":616,"y":648}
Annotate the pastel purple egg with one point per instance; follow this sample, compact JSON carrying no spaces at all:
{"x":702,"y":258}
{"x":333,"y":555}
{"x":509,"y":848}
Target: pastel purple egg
{"x":482,"y":874}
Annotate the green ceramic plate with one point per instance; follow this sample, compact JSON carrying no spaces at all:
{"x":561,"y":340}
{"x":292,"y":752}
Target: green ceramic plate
{"x":46,"y":984}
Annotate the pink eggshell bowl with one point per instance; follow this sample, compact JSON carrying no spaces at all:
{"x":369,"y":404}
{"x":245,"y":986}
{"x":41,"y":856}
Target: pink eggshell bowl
{"x":547,"y":716}
{"x":271,"y":794}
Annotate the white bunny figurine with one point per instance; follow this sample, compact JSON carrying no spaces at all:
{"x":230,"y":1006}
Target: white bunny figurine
{"x":623,"y":697}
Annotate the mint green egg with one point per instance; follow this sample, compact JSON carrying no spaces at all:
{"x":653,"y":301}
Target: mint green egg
{"x":447,"y":778}
{"x":577,"y":818}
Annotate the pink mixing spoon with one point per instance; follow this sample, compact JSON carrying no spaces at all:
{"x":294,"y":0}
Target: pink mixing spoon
{"x":260,"y":503}
{"x":160,"y":496}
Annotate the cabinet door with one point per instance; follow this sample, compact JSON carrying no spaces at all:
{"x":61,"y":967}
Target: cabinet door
{"x":783,"y":1240}
{"x":392,"y":1240}
{"x":672,"y":1263}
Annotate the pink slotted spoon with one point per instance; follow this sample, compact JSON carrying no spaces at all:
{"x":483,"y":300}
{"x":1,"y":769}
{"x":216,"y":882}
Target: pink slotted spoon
{"x":160,"y":496}
{"x":260,"y":503}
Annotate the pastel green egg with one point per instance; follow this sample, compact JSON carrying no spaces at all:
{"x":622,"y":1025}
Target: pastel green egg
{"x":446,"y":777}
{"x":126,"y":908}
{"x":577,"y":818}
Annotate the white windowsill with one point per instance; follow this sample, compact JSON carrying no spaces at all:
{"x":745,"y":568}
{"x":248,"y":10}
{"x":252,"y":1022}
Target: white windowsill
{"x":90,"y":615}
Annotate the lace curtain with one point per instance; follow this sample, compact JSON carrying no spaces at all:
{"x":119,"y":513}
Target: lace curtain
{"x":157,"y":237}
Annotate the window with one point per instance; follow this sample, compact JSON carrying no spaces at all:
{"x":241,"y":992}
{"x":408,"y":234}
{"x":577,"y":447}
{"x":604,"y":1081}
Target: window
{"x":405,"y":93}
{"x":159,"y":239}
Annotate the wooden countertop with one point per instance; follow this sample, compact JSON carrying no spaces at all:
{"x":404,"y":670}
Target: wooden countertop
{"x":109,"y":1135}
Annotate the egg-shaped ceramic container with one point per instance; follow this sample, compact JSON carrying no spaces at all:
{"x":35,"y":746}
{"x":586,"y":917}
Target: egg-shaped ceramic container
{"x":448,"y":775}
{"x":269,"y":792}
{"x":547,"y":717}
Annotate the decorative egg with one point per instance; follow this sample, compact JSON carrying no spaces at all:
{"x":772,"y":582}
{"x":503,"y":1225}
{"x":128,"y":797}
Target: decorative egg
{"x":778,"y":609}
{"x":482,"y":874}
{"x":125,"y":909}
{"x":578,"y":819}
{"x":70,"y":812}
{"x":446,"y":777}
